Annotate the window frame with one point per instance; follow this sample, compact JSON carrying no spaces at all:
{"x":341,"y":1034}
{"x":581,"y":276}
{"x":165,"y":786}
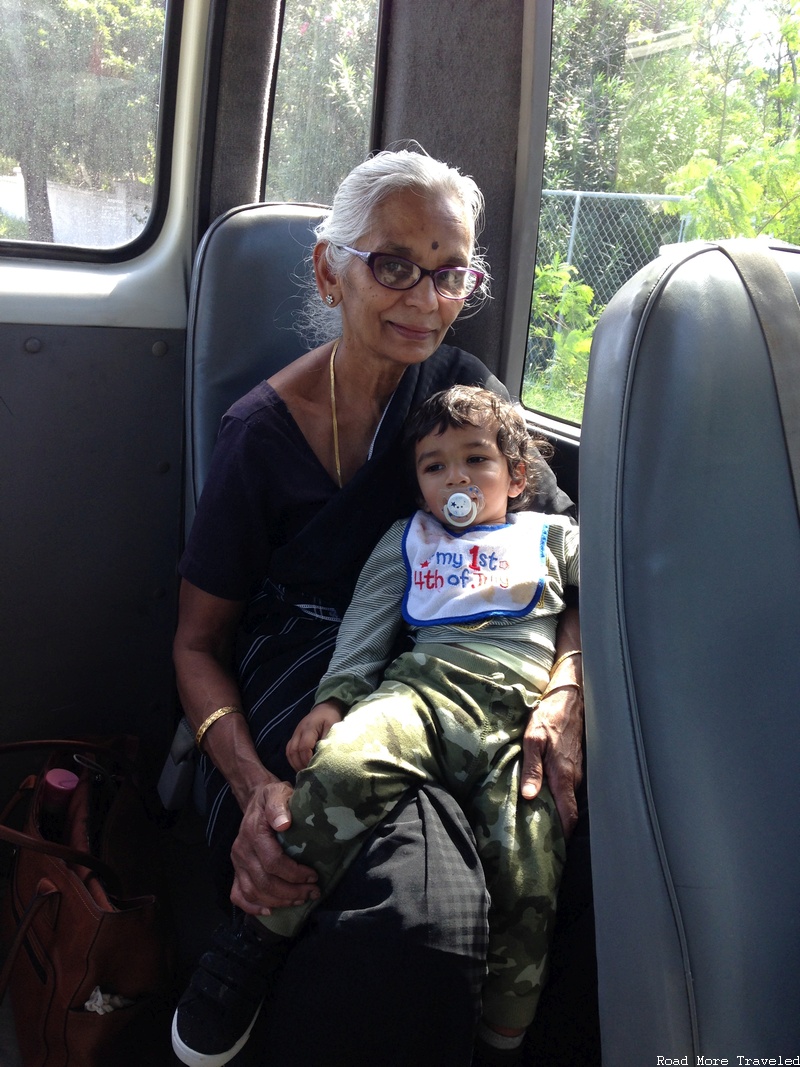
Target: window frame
{"x":143,"y":287}
{"x":534,"y":106}
{"x":165,"y":136}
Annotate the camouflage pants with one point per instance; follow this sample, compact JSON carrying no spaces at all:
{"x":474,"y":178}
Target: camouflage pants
{"x":458,"y":721}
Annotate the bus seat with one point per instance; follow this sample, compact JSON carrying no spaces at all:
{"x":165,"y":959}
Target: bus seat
{"x":690,"y":614}
{"x":244,"y":300}
{"x":245,"y":295}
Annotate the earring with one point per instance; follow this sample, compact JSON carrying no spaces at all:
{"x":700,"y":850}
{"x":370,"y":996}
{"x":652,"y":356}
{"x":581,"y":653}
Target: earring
{"x":329,"y":300}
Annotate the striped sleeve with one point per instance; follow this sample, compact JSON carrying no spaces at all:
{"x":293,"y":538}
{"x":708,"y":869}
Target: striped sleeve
{"x":563,"y":540}
{"x":367,"y":636}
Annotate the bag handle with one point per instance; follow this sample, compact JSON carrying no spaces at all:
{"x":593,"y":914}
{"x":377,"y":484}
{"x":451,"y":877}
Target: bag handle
{"x":99,"y":867}
{"x":121,"y":746}
{"x":23,"y":926}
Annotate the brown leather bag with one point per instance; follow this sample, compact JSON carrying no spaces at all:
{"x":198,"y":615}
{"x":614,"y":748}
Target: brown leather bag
{"x":82,"y":917}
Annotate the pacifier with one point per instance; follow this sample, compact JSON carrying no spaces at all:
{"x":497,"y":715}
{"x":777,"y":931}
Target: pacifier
{"x":461,"y":508}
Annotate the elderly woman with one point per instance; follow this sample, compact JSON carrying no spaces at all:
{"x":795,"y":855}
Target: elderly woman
{"x":306,"y":477}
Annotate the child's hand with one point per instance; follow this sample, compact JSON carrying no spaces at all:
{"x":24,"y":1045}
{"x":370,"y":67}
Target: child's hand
{"x":313,"y":728}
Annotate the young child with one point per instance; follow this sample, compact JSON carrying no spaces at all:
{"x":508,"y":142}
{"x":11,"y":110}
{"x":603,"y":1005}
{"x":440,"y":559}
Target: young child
{"x":480,"y":591}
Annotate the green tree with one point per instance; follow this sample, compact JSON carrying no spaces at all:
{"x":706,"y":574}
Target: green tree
{"x":658,"y":116}
{"x":587,"y":67}
{"x":563,"y":317}
{"x":321,"y":125}
{"x":742,"y":180}
{"x":699,"y":98}
{"x":78,"y":93}
{"x":753,"y":192}
{"x":618,"y":113}
{"x":12,"y":229}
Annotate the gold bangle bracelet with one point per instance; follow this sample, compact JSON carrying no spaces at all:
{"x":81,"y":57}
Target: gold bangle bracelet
{"x":564,"y":685}
{"x":212,"y":718}
{"x":560,"y":660}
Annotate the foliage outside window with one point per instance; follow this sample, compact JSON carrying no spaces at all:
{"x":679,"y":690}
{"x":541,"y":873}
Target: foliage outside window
{"x":323,"y":101}
{"x":695,"y":105}
{"x":79,"y":87}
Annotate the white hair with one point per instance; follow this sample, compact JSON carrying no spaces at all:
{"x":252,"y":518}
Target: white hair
{"x":364,"y":189}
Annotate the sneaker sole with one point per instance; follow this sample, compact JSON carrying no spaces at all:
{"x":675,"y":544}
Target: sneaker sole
{"x":192,"y":1058}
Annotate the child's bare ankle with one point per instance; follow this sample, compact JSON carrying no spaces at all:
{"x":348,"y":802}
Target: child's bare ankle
{"x":497,"y":1046}
{"x":505,"y":1031}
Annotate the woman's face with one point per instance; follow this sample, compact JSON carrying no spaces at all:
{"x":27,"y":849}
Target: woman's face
{"x":404,"y":326}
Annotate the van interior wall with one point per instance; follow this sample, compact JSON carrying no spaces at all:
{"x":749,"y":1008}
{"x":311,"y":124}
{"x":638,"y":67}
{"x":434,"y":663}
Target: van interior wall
{"x":90,"y":437}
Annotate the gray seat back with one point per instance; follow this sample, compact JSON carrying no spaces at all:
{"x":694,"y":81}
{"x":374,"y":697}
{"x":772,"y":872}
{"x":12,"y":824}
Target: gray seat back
{"x":690,"y":611}
{"x":245,"y":297}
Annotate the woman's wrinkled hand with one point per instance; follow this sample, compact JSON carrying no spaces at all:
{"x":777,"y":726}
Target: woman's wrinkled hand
{"x":312,"y":728}
{"x":264,"y":876}
{"x":553,"y":748}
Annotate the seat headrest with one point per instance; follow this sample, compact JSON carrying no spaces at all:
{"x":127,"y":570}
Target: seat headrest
{"x":246,"y":294}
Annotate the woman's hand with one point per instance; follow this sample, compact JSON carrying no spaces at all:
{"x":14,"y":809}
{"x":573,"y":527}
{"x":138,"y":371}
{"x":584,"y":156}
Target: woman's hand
{"x":311,"y":729}
{"x":553,"y":747}
{"x":265,"y":877}
{"x":553,"y":742}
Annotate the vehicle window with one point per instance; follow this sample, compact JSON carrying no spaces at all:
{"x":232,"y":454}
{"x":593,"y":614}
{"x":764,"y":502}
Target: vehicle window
{"x":323,"y":100}
{"x":79,"y":89}
{"x":667,"y":122}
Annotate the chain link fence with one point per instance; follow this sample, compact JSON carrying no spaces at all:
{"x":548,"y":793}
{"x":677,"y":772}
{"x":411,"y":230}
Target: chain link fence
{"x":607,"y":237}
{"x":590,"y":244}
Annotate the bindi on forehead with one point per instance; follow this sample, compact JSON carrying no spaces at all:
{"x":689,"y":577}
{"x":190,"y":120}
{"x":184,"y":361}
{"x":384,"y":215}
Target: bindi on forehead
{"x":434,"y":245}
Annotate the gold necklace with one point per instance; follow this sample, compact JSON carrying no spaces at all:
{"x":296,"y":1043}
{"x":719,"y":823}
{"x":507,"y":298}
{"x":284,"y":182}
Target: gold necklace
{"x":333,"y":416}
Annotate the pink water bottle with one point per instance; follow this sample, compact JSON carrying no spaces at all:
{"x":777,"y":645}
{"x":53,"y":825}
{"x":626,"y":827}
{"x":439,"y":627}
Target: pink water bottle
{"x":59,"y":785}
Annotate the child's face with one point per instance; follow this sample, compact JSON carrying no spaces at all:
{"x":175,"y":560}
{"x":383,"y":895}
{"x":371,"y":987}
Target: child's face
{"x":461,"y":456}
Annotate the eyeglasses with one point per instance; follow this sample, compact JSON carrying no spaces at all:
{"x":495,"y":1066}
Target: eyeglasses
{"x":394,"y":272}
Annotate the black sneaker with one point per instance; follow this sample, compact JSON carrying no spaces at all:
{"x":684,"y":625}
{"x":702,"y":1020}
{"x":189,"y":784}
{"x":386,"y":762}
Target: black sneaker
{"x":215,"y":1015}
